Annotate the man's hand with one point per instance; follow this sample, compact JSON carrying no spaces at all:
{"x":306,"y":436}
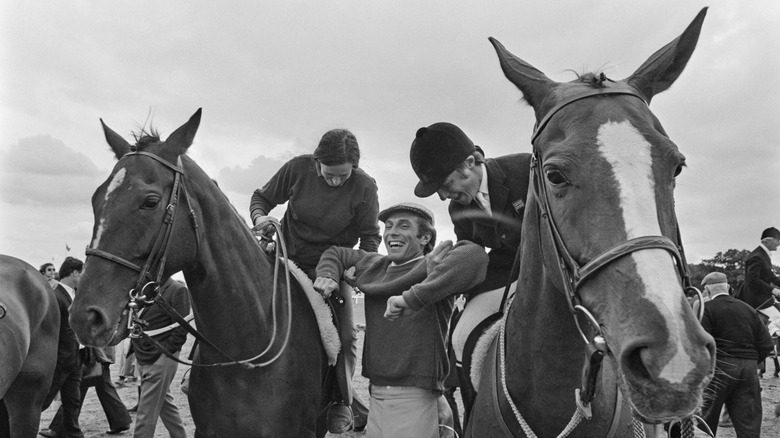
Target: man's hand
{"x":349,"y":276}
{"x":437,"y":255}
{"x":397,"y":307}
{"x":325,"y":286}
{"x":776,"y":292}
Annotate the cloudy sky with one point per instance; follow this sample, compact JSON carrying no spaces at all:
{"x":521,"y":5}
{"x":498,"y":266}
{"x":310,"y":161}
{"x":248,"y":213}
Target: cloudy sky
{"x":273,"y":76}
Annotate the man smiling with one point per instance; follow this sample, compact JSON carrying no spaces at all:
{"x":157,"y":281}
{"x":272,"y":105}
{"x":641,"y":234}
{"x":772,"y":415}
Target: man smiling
{"x":409,"y":299}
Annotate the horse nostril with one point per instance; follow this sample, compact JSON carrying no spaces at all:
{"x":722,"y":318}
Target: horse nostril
{"x":635,"y":363}
{"x":95,"y":318}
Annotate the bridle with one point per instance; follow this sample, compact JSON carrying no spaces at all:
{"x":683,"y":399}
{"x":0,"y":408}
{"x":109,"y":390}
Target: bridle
{"x":147,"y":286}
{"x":573,"y":275}
{"x":149,"y":276}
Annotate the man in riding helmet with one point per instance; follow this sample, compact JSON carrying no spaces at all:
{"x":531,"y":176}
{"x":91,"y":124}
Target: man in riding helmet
{"x":487,"y":202}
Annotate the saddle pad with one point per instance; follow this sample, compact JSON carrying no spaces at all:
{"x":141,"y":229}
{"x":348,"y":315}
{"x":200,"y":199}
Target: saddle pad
{"x":328,"y":332}
{"x":480,"y":352}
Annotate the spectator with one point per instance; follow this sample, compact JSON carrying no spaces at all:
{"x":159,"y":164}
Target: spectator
{"x":67,"y":373}
{"x":331,"y":201}
{"x":761,"y":285}
{"x":487,"y":203}
{"x":405,"y":359}
{"x":742,"y":342}
{"x":48,"y":271}
{"x":158,"y":370}
{"x":116,"y":413}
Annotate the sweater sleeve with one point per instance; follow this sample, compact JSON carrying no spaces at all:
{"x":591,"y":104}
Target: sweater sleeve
{"x":461,"y":269}
{"x":367,"y":219}
{"x":179,"y":300}
{"x":276,"y":191}
{"x":336,"y":259}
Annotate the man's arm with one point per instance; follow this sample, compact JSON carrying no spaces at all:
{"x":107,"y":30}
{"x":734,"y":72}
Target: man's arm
{"x":180,"y":301}
{"x":461,"y":268}
{"x":333,"y":262}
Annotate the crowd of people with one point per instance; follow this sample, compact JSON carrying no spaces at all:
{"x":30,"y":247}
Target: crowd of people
{"x":414,"y":344}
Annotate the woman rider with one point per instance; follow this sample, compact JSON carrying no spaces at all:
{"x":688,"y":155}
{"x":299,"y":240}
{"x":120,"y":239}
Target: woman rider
{"x":331,"y":202}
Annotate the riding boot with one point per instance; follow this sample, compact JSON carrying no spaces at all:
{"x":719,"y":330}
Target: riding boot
{"x":340,"y":419}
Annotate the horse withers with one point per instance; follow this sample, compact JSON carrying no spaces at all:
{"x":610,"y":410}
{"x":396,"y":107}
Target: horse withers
{"x":29,"y":332}
{"x":159,"y":213}
{"x":602,"y":272}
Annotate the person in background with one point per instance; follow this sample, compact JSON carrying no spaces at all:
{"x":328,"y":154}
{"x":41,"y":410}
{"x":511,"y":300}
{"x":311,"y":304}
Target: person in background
{"x":487,"y":203}
{"x":409,"y":298}
{"x":67,"y":373}
{"x":742,"y":341}
{"x":330,"y":201}
{"x":48,"y":271}
{"x":116,"y":413}
{"x":158,"y":370}
{"x":761,"y":286}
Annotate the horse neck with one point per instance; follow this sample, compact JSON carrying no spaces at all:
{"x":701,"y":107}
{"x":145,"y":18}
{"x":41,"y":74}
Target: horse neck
{"x":231,"y":281}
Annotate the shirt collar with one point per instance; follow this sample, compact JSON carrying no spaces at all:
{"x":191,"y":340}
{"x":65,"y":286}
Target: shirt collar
{"x":712,"y":297}
{"x":69,"y":290}
{"x":483,"y":186}
{"x":766,"y":250}
{"x":407,"y":262}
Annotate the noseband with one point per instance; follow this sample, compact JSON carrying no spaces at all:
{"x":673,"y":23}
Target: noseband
{"x":150,"y":275}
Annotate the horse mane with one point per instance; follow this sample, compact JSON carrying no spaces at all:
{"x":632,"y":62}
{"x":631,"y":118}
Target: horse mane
{"x":145,"y":137}
{"x":595,"y":79}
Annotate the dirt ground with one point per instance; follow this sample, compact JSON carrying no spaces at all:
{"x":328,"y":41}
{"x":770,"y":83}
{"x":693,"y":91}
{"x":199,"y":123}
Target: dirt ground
{"x":93,"y":421}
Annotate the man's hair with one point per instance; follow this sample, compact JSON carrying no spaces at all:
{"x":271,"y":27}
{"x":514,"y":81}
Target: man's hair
{"x":424,"y":226}
{"x":70,"y":265}
{"x":44,"y":266}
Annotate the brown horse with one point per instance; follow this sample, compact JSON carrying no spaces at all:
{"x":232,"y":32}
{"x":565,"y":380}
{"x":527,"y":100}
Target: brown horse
{"x":601,"y":261}
{"x":159,"y":213}
{"x":29,"y":331}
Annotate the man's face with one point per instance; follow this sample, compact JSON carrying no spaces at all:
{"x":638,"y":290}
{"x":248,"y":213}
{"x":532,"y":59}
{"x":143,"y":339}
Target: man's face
{"x":771,"y":243}
{"x":401,"y":237}
{"x":462,"y":184}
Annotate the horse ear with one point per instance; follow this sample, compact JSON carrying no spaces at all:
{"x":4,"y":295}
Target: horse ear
{"x":119,"y":145}
{"x":532,"y":83}
{"x":660,"y":71}
{"x":182,"y":137}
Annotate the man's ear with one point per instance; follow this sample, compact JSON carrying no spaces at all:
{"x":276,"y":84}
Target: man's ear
{"x":470,"y":161}
{"x":426,"y":238}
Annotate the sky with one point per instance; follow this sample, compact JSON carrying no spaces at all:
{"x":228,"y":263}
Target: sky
{"x":273,"y":76}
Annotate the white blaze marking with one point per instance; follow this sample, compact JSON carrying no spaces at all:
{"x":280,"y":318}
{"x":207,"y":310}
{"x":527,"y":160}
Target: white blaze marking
{"x":629,"y":154}
{"x":117,"y":181}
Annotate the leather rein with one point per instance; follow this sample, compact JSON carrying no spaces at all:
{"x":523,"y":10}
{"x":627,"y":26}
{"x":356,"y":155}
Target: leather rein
{"x":147,"y":286}
{"x":573,"y":275}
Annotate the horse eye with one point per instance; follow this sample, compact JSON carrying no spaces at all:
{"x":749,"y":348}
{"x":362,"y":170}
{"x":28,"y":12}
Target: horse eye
{"x":150,"y":203}
{"x":556,"y":177}
{"x":678,"y":170}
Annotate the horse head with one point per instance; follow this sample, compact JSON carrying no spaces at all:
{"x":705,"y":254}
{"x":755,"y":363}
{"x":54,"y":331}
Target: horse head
{"x":138,"y":211}
{"x":603,"y":182}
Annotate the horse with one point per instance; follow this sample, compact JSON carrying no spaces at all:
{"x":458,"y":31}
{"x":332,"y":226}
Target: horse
{"x":29,"y":332}
{"x":602,"y":271}
{"x":231,"y":281}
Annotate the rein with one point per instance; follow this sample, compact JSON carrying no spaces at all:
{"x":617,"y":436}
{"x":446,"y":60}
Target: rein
{"x":147,"y":286}
{"x":573,"y":276}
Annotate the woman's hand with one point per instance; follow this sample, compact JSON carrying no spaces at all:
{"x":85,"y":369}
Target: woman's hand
{"x":325,"y":286}
{"x":264,"y":226}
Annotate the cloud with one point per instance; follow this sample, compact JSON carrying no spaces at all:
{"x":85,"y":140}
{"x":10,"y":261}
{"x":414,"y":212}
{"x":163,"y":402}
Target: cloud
{"x":42,"y":170}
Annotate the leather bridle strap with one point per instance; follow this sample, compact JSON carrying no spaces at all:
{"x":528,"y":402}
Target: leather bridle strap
{"x":158,"y":254}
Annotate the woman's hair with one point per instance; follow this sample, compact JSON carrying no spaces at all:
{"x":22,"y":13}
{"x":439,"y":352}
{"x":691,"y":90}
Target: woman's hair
{"x":44,"y":266}
{"x":338,"y":146}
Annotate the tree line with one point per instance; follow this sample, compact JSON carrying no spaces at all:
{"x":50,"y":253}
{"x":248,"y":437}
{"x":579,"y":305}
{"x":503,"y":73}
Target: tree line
{"x":730,"y":262}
